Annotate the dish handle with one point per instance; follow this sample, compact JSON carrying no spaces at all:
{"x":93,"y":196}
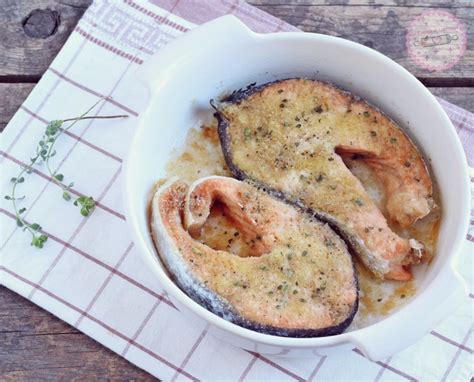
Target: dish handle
{"x":205,"y":37}
{"x":408,"y":325}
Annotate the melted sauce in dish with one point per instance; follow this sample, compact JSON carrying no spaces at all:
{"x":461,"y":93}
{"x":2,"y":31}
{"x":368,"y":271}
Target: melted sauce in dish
{"x":201,"y":156}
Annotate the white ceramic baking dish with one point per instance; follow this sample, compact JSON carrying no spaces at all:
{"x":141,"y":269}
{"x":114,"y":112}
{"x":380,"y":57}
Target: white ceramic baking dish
{"x":224,"y":55}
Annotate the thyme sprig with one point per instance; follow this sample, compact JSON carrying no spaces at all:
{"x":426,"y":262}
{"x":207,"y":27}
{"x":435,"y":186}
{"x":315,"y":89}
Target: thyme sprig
{"x":44,"y":153}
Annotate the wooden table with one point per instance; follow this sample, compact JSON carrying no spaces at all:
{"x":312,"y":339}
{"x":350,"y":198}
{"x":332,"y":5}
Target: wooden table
{"x":36,"y":345}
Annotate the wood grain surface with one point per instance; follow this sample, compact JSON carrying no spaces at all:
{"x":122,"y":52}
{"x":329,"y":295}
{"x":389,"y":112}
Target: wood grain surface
{"x":34,"y":345}
{"x":26,"y":49}
{"x":381,"y":25}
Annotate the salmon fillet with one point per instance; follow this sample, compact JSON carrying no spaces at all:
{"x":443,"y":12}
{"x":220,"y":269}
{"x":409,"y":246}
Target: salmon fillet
{"x":292,"y":136}
{"x":299,"y":280}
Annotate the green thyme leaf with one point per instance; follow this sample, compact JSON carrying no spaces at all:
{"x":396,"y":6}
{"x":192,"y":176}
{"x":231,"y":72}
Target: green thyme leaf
{"x":38,"y":241}
{"x":35,"y":227}
{"x":53,"y":127}
{"x":86,"y":203}
{"x":247,"y":133}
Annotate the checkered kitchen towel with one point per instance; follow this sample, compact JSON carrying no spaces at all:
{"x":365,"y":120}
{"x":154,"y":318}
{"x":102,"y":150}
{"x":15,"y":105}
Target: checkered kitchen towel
{"x":90,"y":274}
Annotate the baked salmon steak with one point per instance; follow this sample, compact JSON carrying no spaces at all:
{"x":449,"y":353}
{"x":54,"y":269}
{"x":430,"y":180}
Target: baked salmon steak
{"x":293,"y":136}
{"x":298,"y":279}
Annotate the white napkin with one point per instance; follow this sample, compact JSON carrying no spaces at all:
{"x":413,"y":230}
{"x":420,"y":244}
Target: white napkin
{"x":89,"y":273}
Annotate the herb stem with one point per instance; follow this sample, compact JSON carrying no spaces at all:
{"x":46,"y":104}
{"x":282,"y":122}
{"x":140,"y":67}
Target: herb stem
{"x":15,"y":207}
{"x":61,"y":131}
{"x":97,"y":117}
{"x":52,"y":173}
{"x":45,"y":151}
